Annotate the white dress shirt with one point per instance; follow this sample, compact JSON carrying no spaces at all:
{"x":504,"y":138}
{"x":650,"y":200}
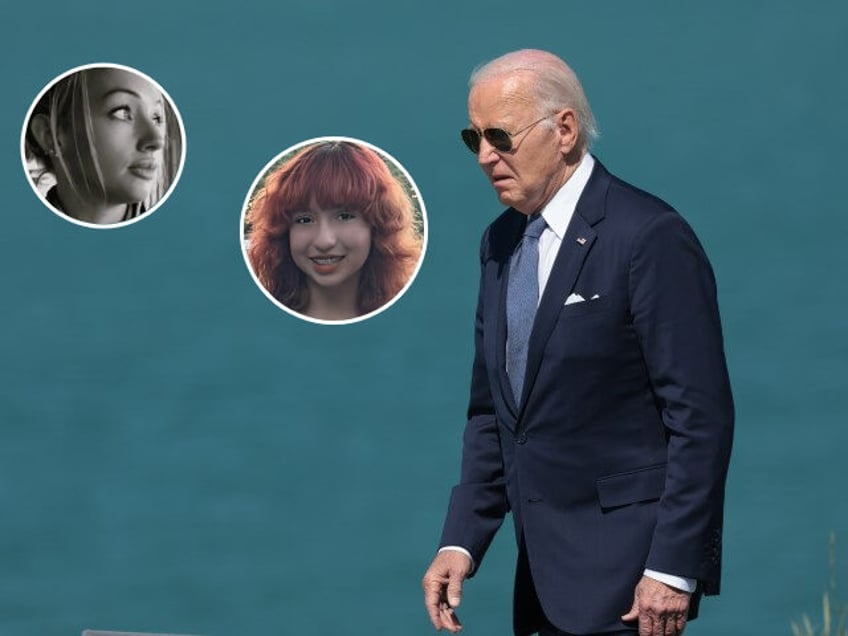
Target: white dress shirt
{"x":557,"y":214}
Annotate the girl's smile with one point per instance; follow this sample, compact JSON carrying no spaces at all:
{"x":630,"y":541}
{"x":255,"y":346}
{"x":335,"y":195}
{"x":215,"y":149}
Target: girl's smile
{"x":326,"y":264}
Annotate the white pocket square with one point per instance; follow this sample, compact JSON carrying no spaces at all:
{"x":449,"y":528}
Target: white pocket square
{"x":577,"y":298}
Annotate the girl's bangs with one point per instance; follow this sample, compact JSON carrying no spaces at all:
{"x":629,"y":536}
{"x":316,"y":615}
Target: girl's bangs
{"x":330,"y":176}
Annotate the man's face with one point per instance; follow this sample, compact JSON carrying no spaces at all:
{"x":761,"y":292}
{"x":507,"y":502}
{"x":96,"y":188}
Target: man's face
{"x":527,"y":176}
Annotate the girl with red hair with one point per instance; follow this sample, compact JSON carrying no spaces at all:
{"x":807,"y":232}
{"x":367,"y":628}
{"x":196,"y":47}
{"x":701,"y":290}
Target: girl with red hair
{"x":332,"y":232}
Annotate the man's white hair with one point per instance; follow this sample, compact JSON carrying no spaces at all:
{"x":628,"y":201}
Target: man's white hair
{"x":557,"y":86}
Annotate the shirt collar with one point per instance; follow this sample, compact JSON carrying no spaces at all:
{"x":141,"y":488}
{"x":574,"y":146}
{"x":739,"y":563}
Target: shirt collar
{"x":560,"y":208}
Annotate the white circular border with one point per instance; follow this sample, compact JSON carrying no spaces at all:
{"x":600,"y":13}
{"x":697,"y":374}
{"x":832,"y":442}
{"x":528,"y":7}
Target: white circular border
{"x":386,"y":156}
{"x":147,"y":213}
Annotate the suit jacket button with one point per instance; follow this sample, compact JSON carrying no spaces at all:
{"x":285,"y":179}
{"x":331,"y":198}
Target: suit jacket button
{"x":521,"y":439}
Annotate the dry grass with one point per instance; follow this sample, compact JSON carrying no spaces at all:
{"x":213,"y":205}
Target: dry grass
{"x":834,"y":611}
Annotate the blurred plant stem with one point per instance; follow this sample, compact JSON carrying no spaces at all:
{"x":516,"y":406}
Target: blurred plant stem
{"x":834,"y":611}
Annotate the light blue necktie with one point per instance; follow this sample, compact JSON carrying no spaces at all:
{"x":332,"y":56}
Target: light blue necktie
{"x":522,"y":299}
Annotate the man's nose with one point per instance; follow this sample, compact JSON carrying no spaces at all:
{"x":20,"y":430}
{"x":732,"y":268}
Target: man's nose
{"x":151,"y":134}
{"x":487,"y":154}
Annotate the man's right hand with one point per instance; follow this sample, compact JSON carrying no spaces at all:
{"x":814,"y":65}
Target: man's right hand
{"x":443,"y":588}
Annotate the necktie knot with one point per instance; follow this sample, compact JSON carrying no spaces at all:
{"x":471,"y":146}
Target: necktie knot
{"x":535,"y":226}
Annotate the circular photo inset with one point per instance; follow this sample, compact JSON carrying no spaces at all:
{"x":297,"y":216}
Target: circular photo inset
{"x":333,"y":230}
{"x":103,"y":145}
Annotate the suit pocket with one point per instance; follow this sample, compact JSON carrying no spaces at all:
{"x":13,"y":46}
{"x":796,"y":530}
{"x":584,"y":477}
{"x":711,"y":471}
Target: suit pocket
{"x":584,"y":307}
{"x":621,"y":489}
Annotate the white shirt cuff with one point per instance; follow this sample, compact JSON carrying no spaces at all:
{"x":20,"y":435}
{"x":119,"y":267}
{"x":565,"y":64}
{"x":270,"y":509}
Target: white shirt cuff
{"x":457,"y":548}
{"x":679,"y":582}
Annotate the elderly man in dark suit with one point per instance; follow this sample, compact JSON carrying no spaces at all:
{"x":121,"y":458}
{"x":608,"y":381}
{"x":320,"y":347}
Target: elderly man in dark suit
{"x":600,"y":410}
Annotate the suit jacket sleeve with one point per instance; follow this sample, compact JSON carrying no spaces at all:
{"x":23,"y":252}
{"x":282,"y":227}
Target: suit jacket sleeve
{"x":675,"y":314}
{"x":478,"y":503}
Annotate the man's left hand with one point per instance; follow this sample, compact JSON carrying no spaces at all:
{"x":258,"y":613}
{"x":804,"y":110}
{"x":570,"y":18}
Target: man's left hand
{"x":660,"y":609}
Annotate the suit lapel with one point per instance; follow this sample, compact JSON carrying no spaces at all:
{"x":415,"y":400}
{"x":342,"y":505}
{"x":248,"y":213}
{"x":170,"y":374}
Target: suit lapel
{"x":505,"y":386}
{"x":576,"y":244}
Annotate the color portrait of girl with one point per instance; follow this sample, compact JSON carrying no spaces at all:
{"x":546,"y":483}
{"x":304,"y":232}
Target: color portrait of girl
{"x":333,"y":234}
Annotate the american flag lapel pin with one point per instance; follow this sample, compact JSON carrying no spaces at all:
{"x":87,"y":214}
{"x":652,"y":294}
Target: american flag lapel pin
{"x":581,"y":240}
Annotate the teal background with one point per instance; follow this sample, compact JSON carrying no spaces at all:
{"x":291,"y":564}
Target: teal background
{"x":177,"y":454}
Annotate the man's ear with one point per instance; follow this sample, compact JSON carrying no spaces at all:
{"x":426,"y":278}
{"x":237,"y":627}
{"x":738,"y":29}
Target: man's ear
{"x":569,"y":130}
{"x":39,"y":126}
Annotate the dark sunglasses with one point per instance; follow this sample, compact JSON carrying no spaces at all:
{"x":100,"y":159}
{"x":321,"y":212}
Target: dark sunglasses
{"x":499,"y":138}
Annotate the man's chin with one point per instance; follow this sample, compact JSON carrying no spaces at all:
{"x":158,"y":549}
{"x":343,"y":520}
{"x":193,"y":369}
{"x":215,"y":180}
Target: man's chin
{"x":515,"y":203}
{"x":518,"y":200}
{"x":507,"y":198}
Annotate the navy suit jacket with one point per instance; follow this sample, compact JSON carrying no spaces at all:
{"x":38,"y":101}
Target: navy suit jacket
{"x":616,"y":456}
